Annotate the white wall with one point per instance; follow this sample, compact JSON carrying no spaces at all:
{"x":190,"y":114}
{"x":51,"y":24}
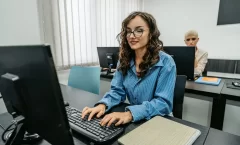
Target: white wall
{"x":175,"y":17}
{"x":19,"y":22}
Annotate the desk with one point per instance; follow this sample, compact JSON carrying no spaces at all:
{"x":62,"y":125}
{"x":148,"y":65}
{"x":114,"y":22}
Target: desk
{"x":79,"y":99}
{"x":218,"y":107}
{"x":221,"y":138}
{"x":203,"y":89}
{"x":230,"y":94}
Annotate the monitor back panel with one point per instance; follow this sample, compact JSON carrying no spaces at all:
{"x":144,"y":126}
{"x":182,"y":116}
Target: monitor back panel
{"x":184,"y":58}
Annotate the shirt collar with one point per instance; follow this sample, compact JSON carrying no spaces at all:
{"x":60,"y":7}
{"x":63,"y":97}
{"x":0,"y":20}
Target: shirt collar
{"x":131,"y":62}
{"x":159,"y":63}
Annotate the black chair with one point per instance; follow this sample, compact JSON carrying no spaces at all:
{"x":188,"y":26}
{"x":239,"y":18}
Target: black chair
{"x":204,"y":73}
{"x":179,"y":96}
{"x":221,"y":65}
{"x":238,"y":67}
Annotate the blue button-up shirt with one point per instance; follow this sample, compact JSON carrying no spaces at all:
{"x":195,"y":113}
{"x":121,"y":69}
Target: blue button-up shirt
{"x":149,"y":96}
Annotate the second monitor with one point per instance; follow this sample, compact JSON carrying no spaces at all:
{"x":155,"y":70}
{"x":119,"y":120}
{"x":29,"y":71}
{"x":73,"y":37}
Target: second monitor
{"x":184,"y":58}
{"x":108,"y":58}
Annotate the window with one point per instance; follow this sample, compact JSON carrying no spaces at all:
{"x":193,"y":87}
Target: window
{"x":75,"y":28}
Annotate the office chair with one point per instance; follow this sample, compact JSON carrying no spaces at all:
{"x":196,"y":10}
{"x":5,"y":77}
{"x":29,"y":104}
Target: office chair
{"x":204,"y":73}
{"x":85,"y":78}
{"x":179,"y":96}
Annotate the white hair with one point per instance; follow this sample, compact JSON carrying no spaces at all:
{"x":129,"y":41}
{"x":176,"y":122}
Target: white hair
{"x":191,"y":33}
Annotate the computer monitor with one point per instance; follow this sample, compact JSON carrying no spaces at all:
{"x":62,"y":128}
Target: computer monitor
{"x":31,"y":92}
{"x":184,"y":59}
{"x":108,"y":57}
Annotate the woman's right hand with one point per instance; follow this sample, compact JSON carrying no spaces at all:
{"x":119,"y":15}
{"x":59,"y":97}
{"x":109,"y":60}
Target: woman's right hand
{"x":99,"y":110}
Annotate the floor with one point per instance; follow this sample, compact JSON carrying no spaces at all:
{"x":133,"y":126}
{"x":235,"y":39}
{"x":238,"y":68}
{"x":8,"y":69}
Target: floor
{"x":194,"y":109}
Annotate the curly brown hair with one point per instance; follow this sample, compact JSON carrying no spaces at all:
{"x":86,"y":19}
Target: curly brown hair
{"x":154,"y":45}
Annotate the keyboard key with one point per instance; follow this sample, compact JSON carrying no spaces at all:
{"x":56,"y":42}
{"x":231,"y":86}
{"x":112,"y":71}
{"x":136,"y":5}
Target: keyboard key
{"x":96,"y":133}
{"x":72,"y":121}
{"x":102,"y":136}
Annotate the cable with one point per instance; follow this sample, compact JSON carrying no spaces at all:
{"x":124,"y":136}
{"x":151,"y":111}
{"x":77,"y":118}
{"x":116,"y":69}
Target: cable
{"x":2,"y":127}
{"x":27,"y":139}
{"x":6,"y":130}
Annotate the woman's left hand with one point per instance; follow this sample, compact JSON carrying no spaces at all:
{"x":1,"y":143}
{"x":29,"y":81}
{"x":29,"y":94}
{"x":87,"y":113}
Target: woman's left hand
{"x":118,"y":117}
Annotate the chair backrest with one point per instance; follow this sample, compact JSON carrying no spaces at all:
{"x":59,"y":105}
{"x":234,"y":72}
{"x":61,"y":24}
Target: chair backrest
{"x":179,"y":96}
{"x":204,"y":73}
{"x":221,"y":65}
{"x":238,"y":67}
{"x":85,"y":78}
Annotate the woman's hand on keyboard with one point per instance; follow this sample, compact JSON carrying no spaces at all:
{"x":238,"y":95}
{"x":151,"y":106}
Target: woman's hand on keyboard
{"x":99,"y":110}
{"x":116,"y":117}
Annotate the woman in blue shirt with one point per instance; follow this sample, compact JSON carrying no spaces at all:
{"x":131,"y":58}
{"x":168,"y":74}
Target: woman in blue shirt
{"x":145,"y":74}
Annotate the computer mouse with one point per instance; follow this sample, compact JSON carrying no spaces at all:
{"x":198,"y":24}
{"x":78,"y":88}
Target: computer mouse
{"x":236,"y":84}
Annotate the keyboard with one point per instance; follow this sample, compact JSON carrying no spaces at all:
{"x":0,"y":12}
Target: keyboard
{"x":91,"y":129}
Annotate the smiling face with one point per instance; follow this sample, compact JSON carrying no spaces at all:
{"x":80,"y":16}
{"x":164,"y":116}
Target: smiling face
{"x":139,"y":39}
{"x":137,"y":33}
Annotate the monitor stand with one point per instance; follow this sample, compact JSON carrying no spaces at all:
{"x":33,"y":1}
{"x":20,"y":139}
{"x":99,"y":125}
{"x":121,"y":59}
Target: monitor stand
{"x":107,"y":73}
{"x":16,"y":136}
{"x":19,"y":134}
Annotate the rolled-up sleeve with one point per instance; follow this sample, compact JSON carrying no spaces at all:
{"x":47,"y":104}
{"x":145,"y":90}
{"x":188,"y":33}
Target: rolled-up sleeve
{"x":162,"y":101}
{"x":116,"y":94}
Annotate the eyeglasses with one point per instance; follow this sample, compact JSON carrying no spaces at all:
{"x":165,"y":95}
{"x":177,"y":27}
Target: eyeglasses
{"x":136,"y":33}
{"x":193,"y":39}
